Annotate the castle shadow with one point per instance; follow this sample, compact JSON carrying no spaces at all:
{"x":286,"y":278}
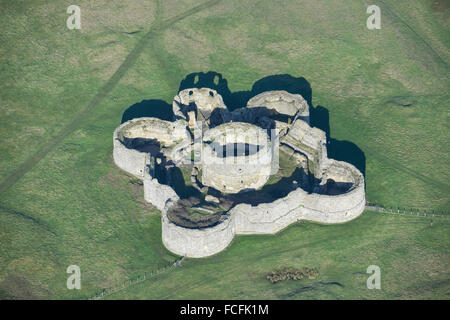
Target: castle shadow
{"x":340,"y":150}
{"x":319,"y":115}
{"x":149,"y":108}
{"x":234,"y":100}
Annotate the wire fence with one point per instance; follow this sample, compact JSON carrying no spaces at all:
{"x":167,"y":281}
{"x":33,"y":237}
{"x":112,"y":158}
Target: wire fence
{"x":407,"y":211}
{"x":135,"y":280}
{"x":177,"y":263}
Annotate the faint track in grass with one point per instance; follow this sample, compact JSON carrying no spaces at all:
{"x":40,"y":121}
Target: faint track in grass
{"x":316,"y":286}
{"x":17,"y":174}
{"x":189,"y":286}
{"x":414,"y":33}
{"x":29,"y":218}
{"x":400,"y":167}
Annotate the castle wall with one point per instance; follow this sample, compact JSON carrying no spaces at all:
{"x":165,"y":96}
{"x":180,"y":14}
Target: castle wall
{"x":266,"y":218}
{"x":283,"y":102}
{"x":224,"y":179}
{"x":310,"y":141}
{"x":299,"y":205}
{"x":231,"y":174}
{"x":132,"y":161}
{"x":160,"y":195}
{"x":206,"y":100}
{"x":196,"y":243}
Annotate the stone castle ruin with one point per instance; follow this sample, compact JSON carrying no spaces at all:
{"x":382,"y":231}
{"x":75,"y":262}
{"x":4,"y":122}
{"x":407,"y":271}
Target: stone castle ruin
{"x":231,"y":165}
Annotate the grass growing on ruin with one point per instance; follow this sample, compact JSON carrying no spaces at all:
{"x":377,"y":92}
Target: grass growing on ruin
{"x":385,"y":90}
{"x":287,"y":166}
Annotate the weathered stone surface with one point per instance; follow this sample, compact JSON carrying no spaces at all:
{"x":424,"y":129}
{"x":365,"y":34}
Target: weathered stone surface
{"x":160,"y":195}
{"x":305,"y":145}
{"x":206,"y":104}
{"x":166,"y":133}
{"x":308,"y":141}
{"x":282,"y":102}
{"x":228,"y":173}
{"x":129,"y":160}
{"x":196,"y":243}
{"x":210,"y":198}
{"x":267,"y":218}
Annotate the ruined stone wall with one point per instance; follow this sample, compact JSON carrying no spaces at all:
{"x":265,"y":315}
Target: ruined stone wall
{"x":267,"y":218}
{"x":196,"y":243}
{"x":310,"y":141}
{"x":227,"y":180}
{"x":165,"y":132}
{"x":262,"y":219}
{"x":231,"y":174}
{"x":282,"y":102}
{"x":132,"y":161}
{"x":160,"y":195}
{"x":205,"y":99}
{"x":298,"y":205}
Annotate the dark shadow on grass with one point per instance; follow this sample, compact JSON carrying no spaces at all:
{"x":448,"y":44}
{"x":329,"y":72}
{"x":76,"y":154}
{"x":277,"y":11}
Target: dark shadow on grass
{"x":340,"y":150}
{"x":319,"y":115}
{"x":149,"y":108}
{"x":269,"y":192}
{"x":234,"y":100}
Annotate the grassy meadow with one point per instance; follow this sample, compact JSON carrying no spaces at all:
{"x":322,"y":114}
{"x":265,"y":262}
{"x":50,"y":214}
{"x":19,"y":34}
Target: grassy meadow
{"x":63,"y":92}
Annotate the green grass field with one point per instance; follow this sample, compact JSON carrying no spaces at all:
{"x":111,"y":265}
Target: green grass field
{"x":63,"y":92}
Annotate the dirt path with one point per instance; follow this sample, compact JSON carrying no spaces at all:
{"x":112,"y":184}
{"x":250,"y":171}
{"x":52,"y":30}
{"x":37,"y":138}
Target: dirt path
{"x":157,"y":27}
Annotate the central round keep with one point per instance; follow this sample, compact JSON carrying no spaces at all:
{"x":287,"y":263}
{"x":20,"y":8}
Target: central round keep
{"x":236,"y":157}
